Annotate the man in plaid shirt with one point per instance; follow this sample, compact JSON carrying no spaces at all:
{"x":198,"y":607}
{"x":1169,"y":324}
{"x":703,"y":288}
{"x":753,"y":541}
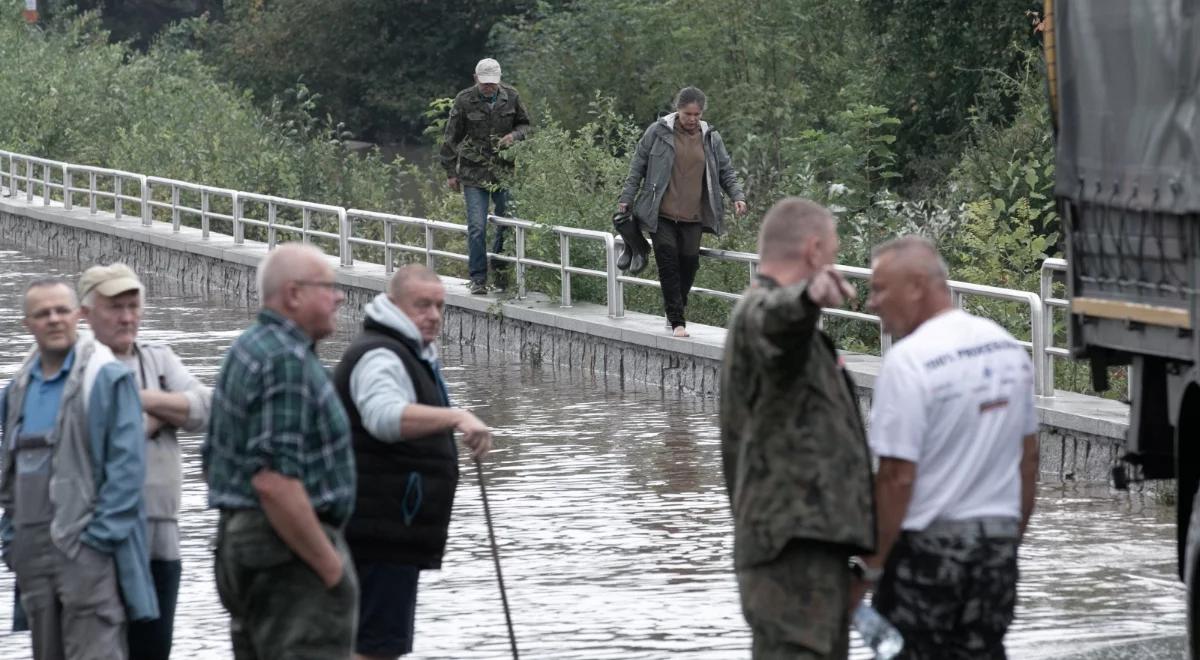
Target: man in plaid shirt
{"x":280,"y":467}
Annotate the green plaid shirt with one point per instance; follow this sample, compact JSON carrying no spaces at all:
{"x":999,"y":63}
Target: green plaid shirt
{"x":274,"y":407}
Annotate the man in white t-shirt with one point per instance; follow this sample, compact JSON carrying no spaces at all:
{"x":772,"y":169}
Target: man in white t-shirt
{"x":953,"y":424}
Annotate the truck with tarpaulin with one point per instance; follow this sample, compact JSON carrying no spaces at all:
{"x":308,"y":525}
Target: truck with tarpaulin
{"x":1125,"y":96}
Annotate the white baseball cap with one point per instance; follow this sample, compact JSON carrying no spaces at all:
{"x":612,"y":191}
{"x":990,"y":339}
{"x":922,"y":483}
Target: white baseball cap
{"x":487,"y":71}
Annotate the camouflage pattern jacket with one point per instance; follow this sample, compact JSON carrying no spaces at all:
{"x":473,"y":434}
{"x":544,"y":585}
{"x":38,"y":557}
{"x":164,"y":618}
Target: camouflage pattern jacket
{"x":470,"y":144}
{"x":797,"y":464}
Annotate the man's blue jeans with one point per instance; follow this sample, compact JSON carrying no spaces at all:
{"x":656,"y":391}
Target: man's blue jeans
{"x":477,"y":215}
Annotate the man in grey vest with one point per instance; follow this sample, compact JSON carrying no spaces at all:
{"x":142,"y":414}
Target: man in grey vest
{"x":71,"y":475}
{"x":172,"y":399}
{"x":391,"y":382}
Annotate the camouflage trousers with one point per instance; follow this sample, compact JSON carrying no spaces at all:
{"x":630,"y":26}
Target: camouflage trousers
{"x":951,"y":588}
{"x":797,"y":604}
{"x":278,"y":608}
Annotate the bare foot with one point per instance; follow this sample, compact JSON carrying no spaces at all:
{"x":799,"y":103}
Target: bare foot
{"x":680,"y":331}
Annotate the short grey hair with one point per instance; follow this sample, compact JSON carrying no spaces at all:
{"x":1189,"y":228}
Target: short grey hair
{"x":410,"y":273}
{"x":789,"y":223}
{"x":690,"y":95}
{"x":45,"y":282}
{"x":919,"y":252}
{"x":286,"y":263}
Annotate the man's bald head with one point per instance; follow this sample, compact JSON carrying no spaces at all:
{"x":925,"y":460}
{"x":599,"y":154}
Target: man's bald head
{"x":797,"y":238}
{"x":789,"y":224}
{"x":406,"y":275}
{"x":908,"y":284}
{"x":419,"y":293}
{"x":297,"y":282}
{"x":289,"y":262}
{"x":914,"y":256}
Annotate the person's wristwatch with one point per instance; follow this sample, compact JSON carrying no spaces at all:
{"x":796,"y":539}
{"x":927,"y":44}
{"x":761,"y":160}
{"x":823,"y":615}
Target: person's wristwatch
{"x":860,"y":570}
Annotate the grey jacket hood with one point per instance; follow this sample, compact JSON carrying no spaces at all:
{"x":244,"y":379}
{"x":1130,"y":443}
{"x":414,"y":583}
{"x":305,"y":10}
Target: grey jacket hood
{"x":669,"y":121}
{"x":383,"y":311}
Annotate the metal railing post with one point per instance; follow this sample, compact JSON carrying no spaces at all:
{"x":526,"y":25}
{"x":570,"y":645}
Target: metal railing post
{"x":344,"y":248}
{"x":1045,"y":290}
{"x":29,"y":181}
{"x":66,"y":177}
{"x":564,"y":253}
{"x":271,"y":226}
{"x":1037,"y":337}
{"x":92,"y":193}
{"x":239,"y":232}
{"x":175,"y":208}
{"x":117,"y":196}
{"x":430,"y":263}
{"x":203,"y":214}
{"x":520,"y":250}
{"x":147,"y":215}
{"x":305,"y":223}
{"x":389,"y":259}
{"x":45,"y":185}
{"x":610,"y":274}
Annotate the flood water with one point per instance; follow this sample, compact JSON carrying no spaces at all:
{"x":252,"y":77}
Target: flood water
{"x":613,"y":523}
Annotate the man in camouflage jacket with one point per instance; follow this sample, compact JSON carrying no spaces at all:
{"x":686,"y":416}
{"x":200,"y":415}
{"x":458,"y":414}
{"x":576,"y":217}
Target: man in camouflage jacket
{"x":485,"y":118}
{"x":793,"y":444}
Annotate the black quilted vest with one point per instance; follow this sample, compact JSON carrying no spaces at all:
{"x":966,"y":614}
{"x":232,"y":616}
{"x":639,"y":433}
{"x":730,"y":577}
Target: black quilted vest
{"x":406,"y":488}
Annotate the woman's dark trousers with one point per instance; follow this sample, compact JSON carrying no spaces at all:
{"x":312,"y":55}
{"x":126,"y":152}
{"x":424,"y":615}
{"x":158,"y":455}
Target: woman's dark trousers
{"x":677,"y":251}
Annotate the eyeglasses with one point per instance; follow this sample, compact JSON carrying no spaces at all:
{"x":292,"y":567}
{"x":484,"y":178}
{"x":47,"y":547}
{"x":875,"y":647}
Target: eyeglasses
{"x":332,"y":286}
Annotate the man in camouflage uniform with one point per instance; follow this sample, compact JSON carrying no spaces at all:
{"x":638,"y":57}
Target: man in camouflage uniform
{"x":485,"y":118}
{"x":954,"y":426}
{"x":794,"y":449}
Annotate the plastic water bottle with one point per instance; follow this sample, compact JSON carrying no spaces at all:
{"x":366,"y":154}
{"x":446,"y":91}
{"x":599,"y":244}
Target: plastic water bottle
{"x":877,"y":632}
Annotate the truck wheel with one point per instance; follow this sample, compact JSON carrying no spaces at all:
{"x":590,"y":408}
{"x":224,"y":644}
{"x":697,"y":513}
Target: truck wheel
{"x":1191,"y":576}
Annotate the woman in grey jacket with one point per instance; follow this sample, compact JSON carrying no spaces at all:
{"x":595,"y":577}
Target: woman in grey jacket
{"x":672,"y":188}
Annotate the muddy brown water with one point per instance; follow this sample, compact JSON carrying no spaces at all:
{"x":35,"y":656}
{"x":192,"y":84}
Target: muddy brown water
{"x":613,"y":521}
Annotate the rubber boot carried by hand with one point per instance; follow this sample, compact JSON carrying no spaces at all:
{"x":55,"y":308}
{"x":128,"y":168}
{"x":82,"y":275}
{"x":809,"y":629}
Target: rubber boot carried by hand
{"x":634,"y":256}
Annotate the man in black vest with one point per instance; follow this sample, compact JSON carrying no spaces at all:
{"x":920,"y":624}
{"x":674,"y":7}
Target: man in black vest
{"x":390,"y":381}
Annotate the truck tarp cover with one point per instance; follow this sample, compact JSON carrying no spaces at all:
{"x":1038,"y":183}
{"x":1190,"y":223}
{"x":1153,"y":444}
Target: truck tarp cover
{"x":1129,"y":115}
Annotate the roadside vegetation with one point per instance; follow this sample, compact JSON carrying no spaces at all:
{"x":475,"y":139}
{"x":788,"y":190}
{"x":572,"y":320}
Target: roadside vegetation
{"x":919,"y":116}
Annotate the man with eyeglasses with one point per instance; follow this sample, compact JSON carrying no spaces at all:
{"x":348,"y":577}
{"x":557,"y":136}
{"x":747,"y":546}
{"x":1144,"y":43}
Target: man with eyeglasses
{"x":71,"y":472}
{"x":172,"y":400}
{"x":280,"y":467}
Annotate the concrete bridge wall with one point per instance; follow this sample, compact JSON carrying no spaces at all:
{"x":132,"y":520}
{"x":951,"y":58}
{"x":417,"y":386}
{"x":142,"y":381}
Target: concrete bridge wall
{"x":1081,"y":434}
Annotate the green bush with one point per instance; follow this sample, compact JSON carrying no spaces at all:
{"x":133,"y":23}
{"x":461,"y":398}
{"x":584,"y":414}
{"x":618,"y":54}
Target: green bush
{"x":70,"y":95}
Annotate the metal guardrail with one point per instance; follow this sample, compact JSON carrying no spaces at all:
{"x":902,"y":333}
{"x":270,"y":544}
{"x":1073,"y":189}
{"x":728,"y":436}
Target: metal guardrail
{"x":55,"y":183}
{"x":1050,"y":303}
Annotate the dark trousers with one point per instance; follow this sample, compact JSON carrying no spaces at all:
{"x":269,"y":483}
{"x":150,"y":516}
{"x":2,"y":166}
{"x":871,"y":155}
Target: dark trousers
{"x":677,"y":251}
{"x":151,"y":640}
{"x":950,"y":589}
{"x":797,"y":603}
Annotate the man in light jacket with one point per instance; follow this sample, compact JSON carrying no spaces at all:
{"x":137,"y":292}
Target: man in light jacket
{"x":390,"y":381}
{"x":71,"y":474}
{"x":172,"y":400}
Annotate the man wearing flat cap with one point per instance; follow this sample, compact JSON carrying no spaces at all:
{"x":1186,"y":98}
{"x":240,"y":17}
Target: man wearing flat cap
{"x":172,"y":399}
{"x":72,"y":466}
{"x":485,"y":118}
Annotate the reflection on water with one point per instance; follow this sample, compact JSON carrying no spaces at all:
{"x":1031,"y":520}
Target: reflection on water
{"x":613,"y":522}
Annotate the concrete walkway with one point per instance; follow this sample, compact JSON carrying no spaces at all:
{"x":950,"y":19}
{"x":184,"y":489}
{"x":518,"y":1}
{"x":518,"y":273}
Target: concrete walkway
{"x":637,"y":345}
